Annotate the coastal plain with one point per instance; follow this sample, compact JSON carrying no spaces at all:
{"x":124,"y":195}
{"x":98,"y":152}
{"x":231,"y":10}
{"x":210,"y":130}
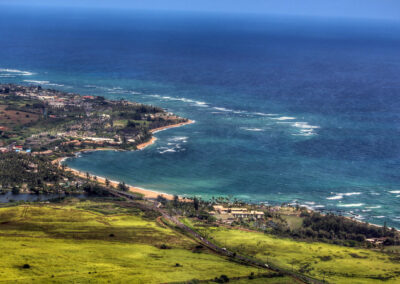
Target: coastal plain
{"x":100,"y":242}
{"x":328,"y":262}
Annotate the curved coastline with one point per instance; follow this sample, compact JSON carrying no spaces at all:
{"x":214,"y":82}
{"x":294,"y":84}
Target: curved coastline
{"x":145,"y":192}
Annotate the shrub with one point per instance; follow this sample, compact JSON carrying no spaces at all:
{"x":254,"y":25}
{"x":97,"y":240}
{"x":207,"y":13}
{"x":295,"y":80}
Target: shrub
{"x":222,"y":279}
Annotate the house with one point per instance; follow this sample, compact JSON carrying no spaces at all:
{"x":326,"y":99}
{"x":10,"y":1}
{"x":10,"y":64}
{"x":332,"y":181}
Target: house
{"x":4,"y":150}
{"x":236,"y":212}
{"x":376,"y":241}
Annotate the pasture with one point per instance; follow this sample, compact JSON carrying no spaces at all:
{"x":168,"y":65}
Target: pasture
{"x":336,"y":264}
{"x":100,"y":242}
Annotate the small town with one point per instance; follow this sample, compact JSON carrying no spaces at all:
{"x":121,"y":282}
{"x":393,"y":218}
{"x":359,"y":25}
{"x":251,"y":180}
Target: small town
{"x":67,"y":122}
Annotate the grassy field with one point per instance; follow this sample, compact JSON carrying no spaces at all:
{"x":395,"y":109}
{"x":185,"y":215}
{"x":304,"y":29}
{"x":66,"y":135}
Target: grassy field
{"x":277,"y":280}
{"x":12,"y":117}
{"x":336,"y":264}
{"x":96,"y":242}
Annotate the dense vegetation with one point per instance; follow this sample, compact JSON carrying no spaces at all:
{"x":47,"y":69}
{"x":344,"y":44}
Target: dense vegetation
{"x":32,"y":173}
{"x":36,"y":174}
{"x":333,"y":227}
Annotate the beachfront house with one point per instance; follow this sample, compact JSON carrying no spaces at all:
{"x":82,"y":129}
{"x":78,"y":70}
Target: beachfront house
{"x":235,"y":213}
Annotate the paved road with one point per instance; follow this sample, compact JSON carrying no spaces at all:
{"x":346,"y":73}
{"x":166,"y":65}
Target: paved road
{"x":222,"y":251}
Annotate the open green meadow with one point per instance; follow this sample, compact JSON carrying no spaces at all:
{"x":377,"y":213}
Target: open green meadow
{"x":335,"y":264}
{"x":96,"y":242}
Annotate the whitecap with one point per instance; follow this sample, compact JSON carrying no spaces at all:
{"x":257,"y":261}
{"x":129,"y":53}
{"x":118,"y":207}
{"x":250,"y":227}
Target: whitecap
{"x":284,"y":118}
{"x":378,"y":217}
{"x":252,"y":129}
{"x":222,"y":109}
{"x":16,"y":72}
{"x":37,"y":81}
{"x":304,"y":125}
{"x":395,"y":191}
{"x":179,"y":138}
{"x":265,"y":114}
{"x":47,"y":83}
{"x":373,"y":207}
{"x":167,"y":151}
{"x":335,"y":197}
{"x":350,"y":193}
{"x":340,"y":195}
{"x":350,"y":205}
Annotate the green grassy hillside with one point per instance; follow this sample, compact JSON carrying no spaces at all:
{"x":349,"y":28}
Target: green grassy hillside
{"x":336,"y":264}
{"x":96,"y":242}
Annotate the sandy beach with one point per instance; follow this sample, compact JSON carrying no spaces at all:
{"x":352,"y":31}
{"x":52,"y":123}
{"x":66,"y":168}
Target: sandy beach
{"x":145,"y":192}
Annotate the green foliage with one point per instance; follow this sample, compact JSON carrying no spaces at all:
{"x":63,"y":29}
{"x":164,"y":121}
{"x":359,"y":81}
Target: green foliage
{"x":71,"y":243}
{"x":337,"y":264}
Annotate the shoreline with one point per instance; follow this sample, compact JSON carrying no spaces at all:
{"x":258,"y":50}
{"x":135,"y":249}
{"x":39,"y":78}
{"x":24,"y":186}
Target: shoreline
{"x":147,"y":193}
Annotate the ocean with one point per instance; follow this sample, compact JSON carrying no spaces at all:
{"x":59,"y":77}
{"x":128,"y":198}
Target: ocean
{"x":287,"y":110}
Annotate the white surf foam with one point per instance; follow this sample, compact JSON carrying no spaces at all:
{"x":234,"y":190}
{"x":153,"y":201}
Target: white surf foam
{"x":167,"y":151}
{"x":350,"y":205}
{"x":395,"y":191}
{"x":284,"y":118}
{"x":373,"y":207}
{"x":350,"y":193}
{"x":252,"y":129}
{"x":16,"y":72}
{"x":340,"y":195}
{"x":336,"y":197}
{"x":222,"y":109}
{"x":305,"y":128}
{"x":47,"y":83}
{"x":179,"y":138}
{"x":264,"y":114}
{"x":319,"y":206}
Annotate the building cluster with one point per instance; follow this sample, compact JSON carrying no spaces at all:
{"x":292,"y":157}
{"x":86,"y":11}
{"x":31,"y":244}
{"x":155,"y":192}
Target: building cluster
{"x":230,"y":214}
{"x":14,"y":148}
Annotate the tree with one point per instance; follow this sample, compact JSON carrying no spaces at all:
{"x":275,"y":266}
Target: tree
{"x":176,"y":201}
{"x":15,"y":190}
{"x":107,"y":182}
{"x":196,"y":203}
{"x":122,"y":186}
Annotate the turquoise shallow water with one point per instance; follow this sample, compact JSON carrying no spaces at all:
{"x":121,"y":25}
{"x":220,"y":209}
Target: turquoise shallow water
{"x":286,"y":109}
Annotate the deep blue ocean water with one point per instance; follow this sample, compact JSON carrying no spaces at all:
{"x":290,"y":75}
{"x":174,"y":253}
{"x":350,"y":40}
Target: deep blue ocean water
{"x":286,"y":109}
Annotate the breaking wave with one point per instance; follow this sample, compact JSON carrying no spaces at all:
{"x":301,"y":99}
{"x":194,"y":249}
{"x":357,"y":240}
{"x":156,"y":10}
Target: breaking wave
{"x":47,"y":83}
{"x":15,"y":72}
{"x":350,"y":205}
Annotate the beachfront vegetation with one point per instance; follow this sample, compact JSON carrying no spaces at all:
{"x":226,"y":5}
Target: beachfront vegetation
{"x":290,"y":221}
{"x":23,"y":173}
{"x":101,"y":241}
{"x":334,"y":263}
{"x":26,"y":173}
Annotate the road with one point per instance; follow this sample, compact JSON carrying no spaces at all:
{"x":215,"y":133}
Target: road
{"x":207,"y":243}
